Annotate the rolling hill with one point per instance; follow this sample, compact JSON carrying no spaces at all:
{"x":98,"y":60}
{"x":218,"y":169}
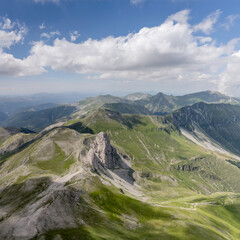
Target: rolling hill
{"x":160,"y":104}
{"x":106,"y":175}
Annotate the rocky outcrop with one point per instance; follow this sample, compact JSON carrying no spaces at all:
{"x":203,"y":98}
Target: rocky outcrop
{"x":102,"y":157}
{"x":187,"y":167}
{"x":102,"y":154}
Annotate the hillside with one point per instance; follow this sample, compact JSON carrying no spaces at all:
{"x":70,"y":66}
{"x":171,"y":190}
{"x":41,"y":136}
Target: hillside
{"x":127,"y":108}
{"x":218,"y":122}
{"x":137,"y":96}
{"x":110,"y":175}
{"x":162,"y":104}
{"x":38,"y":120}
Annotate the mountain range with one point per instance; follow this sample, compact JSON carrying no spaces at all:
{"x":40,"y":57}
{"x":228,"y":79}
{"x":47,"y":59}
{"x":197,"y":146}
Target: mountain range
{"x":136,"y":167}
{"x":138,"y":103}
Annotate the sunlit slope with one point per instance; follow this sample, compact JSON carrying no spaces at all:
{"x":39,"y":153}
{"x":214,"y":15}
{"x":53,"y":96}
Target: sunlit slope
{"x":48,"y":190}
{"x":163,"y":157}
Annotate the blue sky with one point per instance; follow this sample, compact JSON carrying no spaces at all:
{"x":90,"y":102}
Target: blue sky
{"x":119,"y":46}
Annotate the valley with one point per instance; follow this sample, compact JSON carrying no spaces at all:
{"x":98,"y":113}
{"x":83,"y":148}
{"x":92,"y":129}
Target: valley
{"x":111,"y":169}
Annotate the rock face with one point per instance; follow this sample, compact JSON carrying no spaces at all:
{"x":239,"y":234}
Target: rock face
{"x":102,"y":154}
{"x":102,"y":157}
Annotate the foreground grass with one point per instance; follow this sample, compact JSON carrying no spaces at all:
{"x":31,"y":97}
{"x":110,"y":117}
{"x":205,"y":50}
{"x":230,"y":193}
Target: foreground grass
{"x":211,"y":217}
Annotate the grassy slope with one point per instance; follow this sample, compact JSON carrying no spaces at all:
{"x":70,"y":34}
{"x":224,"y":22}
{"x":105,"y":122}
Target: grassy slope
{"x":220,"y":122}
{"x":157,"y":149}
{"x":174,"y":209}
{"x":171,"y":207}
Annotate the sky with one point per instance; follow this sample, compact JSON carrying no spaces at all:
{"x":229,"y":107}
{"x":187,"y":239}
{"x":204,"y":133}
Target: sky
{"x":119,"y":46}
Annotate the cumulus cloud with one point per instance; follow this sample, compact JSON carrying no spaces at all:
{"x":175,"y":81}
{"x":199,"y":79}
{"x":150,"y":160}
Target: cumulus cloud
{"x":10,"y":32}
{"x":230,"y":77}
{"x":206,"y":25}
{"x":42,"y":26}
{"x":44,"y":1}
{"x":165,"y":53}
{"x":6,"y":23}
{"x":74,"y":35}
{"x":11,"y":66}
{"x":136,"y":1}
{"x":50,"y":35}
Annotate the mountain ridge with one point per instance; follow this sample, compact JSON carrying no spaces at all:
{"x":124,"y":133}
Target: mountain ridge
{"x":106,"y":174}
{"x":160,"y":104}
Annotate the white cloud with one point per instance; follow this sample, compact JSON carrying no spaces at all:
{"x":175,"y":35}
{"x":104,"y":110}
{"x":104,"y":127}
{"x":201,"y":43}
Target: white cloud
{"x":206,"y":25}
{"x":42,"y":26}
{"x":230,"y":20}
{"x":50,"y":35}
{"x":170,"y":52}
{"x":74,"y":35}
{"x":44,"y":1}
{"x":7,"y":23}
{"x":11,"y":66}
{"x":231,"y":76}
{"x":179,"y":17}
{"x":10,"y":32}
{"x":135,"y":2}
{"x":159,"y":54}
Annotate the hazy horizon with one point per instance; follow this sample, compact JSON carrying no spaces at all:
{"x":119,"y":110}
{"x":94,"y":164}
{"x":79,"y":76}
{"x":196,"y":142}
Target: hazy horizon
{"x":89,"y":94}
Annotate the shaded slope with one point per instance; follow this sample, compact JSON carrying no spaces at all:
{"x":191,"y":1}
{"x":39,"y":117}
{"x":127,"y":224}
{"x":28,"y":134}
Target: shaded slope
{"x":220,"y":122}
{"x":127,"y":108}
{"x":38,"y":120}
{"x":12,"y":139}
{"x":59,"y":186}
{"x":159,"y":151}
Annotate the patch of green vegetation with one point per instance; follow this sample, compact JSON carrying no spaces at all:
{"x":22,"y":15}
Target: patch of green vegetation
{"x":58,"y":164}
{"x":154,"y":150}
{"x":126,"y":108}
{"x":118,"y":204}
{"x":79,"y":127}
{"x":237,"y":164}
{"x":21,"y":194}
{"x":79,"y":233}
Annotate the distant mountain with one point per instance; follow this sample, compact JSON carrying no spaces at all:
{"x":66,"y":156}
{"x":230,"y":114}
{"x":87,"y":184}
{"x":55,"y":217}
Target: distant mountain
{"x":127,"y":108}
{"x":38,"y":120}
{"x":217,"y":123}
{"x":162,"y":104}
{"x":107,"y":175}
{"x":38,"y":107}
{"x":137,"y":96}
{"x":93,"y":103}
{"x":14,"y":104}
